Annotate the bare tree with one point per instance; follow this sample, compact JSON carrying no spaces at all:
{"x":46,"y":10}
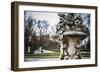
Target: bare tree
{"x":42,"y":26}
{"x":30,"y":38}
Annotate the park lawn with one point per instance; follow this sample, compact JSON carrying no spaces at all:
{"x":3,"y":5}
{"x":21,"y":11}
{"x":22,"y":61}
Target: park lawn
{"x":43,"y":55}
{"x":52,"y":55}
{"x":85,"y":54}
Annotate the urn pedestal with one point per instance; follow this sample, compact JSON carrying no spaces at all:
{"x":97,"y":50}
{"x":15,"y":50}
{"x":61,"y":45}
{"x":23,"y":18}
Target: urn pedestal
{"x":73,"y":40}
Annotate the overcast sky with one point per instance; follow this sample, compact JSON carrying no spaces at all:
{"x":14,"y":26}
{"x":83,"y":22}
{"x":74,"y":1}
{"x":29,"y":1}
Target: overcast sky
{"x":51,"y":17}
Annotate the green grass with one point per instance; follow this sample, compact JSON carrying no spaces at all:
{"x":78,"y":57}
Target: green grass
{"x":43,"y":55}
{"x":85,"y":54}
{"x":52,"y":55}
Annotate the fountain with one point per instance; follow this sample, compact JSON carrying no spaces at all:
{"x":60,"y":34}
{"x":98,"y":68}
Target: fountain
{"x":71,"y":32}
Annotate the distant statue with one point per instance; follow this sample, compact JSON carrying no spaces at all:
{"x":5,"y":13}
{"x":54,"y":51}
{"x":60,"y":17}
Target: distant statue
{"x":40,"y":48}
{"x":29,"y":44}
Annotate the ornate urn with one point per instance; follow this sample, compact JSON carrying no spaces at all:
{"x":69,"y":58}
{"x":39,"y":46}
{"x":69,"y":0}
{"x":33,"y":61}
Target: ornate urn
{"x":71,"y":32}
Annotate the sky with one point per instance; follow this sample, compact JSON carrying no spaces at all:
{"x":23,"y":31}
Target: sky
{"x":51,"y":17}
